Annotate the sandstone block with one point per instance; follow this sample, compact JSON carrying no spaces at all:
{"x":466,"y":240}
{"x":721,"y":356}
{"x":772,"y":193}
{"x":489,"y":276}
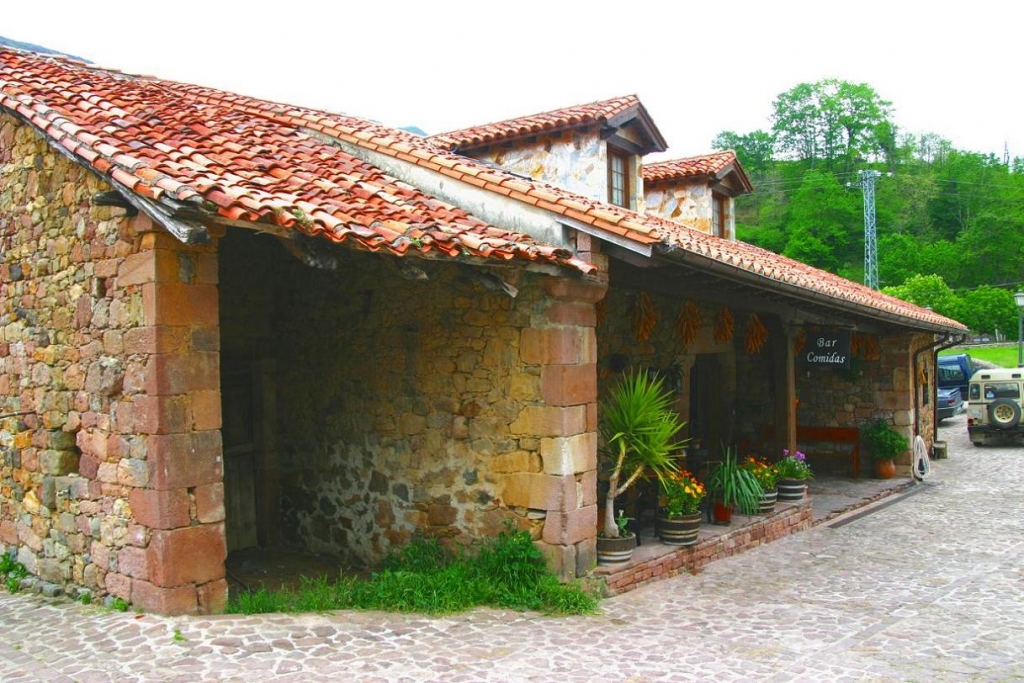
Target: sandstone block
{"x":579,"y":314}
{"x":213,"y":597}
{"x":190,"y":555}
{"x":167,"y":601}
{"x":568,"y":385}
{"x":561,"y":559}
{"x":586,"y":555}
{"x":132,"y":562}
{"x":184,"y":460}
{"x":210,"y":503}
{"x":182,"y":373}
{"x":161,"y":414}
{"x":569,"y":455}
{"x":118,"y":585}
{"x":539,"y":491}
{"x":565,"y":289}
{"x":573,"y":526}
{"x":558,"y":345}
{"x":517,"y":461}
{"x":541,"y":421}
{"x":160,"y":509}
{"x":155,"y":339}
{"x":206,"y":410}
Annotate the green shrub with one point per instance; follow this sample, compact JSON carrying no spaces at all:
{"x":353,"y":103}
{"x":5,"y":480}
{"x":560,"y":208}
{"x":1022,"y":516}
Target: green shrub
{"x":12,"y":572}
{"x":507,"y":571}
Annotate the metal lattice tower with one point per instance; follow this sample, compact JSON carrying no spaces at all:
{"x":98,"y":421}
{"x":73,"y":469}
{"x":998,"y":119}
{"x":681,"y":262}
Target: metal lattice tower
{"x":867,"y":186}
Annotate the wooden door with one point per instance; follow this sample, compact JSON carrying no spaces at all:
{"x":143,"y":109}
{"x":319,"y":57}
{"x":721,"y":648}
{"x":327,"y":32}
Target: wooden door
{"x":707,"y":419}
{"x":239,"y":435}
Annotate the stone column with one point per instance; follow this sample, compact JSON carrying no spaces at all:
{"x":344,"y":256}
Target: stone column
{"x":179,"y":503}
{"x":562,"y":347}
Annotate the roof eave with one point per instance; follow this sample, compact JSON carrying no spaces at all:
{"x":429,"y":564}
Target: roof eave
{"x":797,"y":291}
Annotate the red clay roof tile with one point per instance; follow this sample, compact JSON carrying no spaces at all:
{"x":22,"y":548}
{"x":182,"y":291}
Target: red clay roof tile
{"x":240,"y":155}
{"x":256,"y":123}
{"x":695,"y":167}
{"x":546,"y":122}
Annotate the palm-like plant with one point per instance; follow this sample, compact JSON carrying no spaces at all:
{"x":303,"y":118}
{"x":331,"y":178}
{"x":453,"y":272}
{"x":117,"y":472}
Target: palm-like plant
{"x":734,"y":486}
{"x":640,"y":429}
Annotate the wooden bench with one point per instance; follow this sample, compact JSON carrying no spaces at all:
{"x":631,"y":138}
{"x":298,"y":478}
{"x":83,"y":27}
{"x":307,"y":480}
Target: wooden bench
{"x":838,"y":435}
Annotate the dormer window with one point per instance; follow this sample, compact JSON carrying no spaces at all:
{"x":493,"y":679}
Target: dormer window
{"x":618,"y":178}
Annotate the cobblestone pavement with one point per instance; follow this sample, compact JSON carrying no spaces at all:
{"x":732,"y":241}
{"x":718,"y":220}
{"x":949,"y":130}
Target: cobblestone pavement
{"x":927,"y":588}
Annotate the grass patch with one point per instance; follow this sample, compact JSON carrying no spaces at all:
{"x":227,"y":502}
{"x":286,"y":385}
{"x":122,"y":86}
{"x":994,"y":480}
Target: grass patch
{"x":11,"y":572}
{"x":425,"y":577}
{"x":1004,"y":356}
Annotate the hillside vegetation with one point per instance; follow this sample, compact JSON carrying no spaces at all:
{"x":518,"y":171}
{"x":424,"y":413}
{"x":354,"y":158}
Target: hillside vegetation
{"x":950,"y":222}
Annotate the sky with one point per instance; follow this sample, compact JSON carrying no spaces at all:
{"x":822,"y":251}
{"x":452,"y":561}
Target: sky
{"x":953,"y":69}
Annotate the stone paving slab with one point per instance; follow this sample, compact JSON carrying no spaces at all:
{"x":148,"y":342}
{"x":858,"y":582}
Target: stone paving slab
{"x":930,"y":588}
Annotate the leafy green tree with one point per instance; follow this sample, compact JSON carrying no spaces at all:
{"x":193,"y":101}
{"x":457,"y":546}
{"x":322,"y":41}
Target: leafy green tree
{"x":994,"y":244}
{"x":825,"y":223}
{"x":929,"y":291}
{"x":754,"y":150}
{"x":831,"y":121}
{"x":987,"y":309}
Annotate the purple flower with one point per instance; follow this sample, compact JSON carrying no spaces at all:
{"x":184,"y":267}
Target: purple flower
{"x":800,"y":456}
{"x":785,"y":452}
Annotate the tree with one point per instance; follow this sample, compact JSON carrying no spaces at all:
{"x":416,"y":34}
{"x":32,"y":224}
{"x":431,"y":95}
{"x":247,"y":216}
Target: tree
{"x":754,"y":150}
{"x":987,"y":309}
{"x":825,"y":223}
{"x":832,"y":121}
{"x":929,"y":291}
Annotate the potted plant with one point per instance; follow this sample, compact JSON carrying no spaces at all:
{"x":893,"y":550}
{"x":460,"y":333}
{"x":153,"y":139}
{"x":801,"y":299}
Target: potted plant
{"x":731,"y":486}
{"x":639,"y":429}
{"x":679,"y":523}
{"x":885,"y":443}
{"x":793,"y":472}
{"x":767,"y":476}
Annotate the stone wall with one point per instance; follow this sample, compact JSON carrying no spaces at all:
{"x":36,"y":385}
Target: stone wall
{"x":689,"y":204}
{"x":109,"y":448}
{"x":574,"y":160}
{"x":879,"y":386}
{"x":410,"y":406}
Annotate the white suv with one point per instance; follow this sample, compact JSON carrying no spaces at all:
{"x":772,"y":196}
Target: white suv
{"x":994,"y":404}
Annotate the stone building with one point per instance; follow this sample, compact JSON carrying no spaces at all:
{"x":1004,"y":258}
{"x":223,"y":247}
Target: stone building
{"x":226,"y":322}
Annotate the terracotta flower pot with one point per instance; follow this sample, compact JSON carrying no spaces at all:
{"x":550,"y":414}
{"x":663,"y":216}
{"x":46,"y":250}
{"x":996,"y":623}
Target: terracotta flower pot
{"x":885,"y":469}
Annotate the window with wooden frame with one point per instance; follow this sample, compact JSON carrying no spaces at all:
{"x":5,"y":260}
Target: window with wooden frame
{"x":618,"y":177}
{"x":719,"y":214}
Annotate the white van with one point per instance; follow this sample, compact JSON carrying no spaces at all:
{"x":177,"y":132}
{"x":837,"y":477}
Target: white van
{"x":994,"y":404}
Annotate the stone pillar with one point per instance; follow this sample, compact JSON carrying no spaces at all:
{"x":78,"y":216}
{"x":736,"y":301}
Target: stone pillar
{"x":177,"y":414}
{"x":561,"y":347}
{"x":898,"y":395}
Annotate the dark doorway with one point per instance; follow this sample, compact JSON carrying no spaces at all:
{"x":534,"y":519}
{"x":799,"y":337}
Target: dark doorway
{"x":707,"y":404}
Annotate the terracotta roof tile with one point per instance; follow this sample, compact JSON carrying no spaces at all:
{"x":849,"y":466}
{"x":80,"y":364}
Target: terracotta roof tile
{"x":546,"y":122}
{"x":694,"y":167}
{"x":241,"y":155}
{"x":253,"y":124}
